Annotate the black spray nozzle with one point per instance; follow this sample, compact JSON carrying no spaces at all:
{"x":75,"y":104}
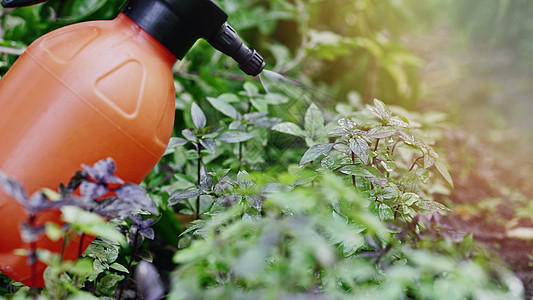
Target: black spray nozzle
{"x":177,"y":24}
{"x":228,"y":42}
{"x":20,"y":3}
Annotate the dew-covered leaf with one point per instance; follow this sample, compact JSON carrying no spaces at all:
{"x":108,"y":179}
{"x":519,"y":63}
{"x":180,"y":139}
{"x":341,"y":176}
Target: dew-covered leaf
{"x":380,"y":109}
{"x":360,"y":148}
{"x":233,"y":136}
{"x":410,"y":198}
{"x":337,"y":132}
{"x":398,"y":122}
{"x":383,"y":182}
{"x":381,"y":132}
{"x":315,"y":151}
{"x":384,"y":212}
{"x":355,"y":171}
{"x":289,"y":128}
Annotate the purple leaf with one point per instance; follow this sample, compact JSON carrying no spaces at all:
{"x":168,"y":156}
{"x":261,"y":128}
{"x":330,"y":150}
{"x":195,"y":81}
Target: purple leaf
{"x":180,"y":195}
{"x":13,"y":188}
{"x":111,"y":208}
{"x":134,"y":194}
{"x":30,"y":234}
{"x":147,"y":233}
{"x":103,"y":172}
{"x":189,"y":135}
{"x":209,"y":145}
{"x":93,"y":190}
{"x":148,"y":279}
{"x":144,"y":226}
{"x":38,"y":202}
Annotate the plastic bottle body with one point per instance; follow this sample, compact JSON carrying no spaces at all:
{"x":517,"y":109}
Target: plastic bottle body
{"x":79,"y":94}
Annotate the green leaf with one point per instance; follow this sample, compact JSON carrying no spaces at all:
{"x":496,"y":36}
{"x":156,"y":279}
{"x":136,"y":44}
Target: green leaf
{"x":250,"y":88}
{"x":119,"y":267}
{"x":289,"y":128}
{"x":443,"y":170}
{"x":198,"y":116}
{"x":106,"y":285}
{"x":410,"y":198}
{"x":360,"y":148}
{"x":82,"y":295}
{"x":428,"y":161}
{"x":355,"y":171}
{"x":224,"y":107}
{"x":91,"y":223}
{"x":276,"y":99}
{"x":466,"y":245}
{"x":431,"y":206}
{"x":229,"y":98}
{"x":315,"y":151}
{"x":173,"y":143}
{"x":234,"y":136}
{"x":314,"y":122}
{"x":53,"y":231}
{"x":82,"y":266}
{"x":385,"y":212}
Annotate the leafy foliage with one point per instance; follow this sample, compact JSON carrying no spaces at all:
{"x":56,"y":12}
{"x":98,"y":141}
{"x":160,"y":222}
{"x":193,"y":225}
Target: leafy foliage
{"x":270,"y":193}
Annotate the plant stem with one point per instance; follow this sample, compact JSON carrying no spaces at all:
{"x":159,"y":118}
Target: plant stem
{"x":130,"y":262}
{"x":80,"y":247}
{"x":199,"y":179}
{"x":33,"y":256}
{"x":414,"y":163}
{"x":353,"y":176}
{"x":241,"y":144}
{"x":377,"y":143}
{"x":65,"y":237}
{"x":394,"y":147}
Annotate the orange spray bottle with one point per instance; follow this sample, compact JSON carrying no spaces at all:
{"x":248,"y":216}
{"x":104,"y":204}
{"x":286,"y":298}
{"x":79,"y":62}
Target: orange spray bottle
{"x":94,"y":90}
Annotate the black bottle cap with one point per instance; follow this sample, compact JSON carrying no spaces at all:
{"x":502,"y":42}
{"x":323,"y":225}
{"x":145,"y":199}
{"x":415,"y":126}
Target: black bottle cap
{"x":177,"y":24}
